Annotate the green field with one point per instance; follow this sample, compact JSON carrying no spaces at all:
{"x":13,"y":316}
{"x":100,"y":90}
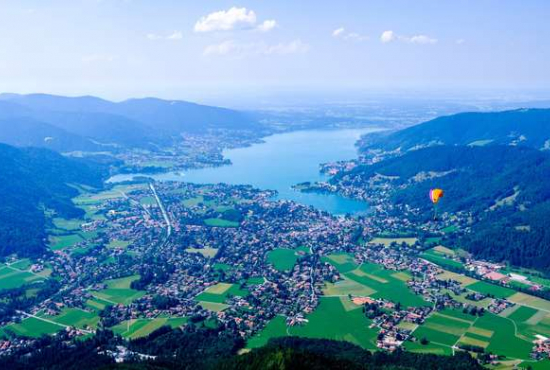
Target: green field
{"x":346,"y":287}
{"x":213,"y":306}
{"x":119,"y":292}
{"x":330,"y":320}
{"x":22,"y":264}
{"x":389,"y":241}
{"x":132,"y":329}
{"x":13,"y":278}
{"x":274,"y":329}
{"x":430,"y":348}
{"x":494,"y":333}
{"x":148,"y":201}
{"x":75,"y":317}
{"x":440,"y":258}
{"x":342,"y":261}
{"x":282,"y":259}
{"x":118,"y":244}
{"x":220,"y":222}
{"x":333,"y":321}
{"x":255,"y":281}
{"x":444,"y":328}
{"x":67,"y":224}
{"x":377,"y":281}
{"x":206,"y":252}
{"x":58,"y":242}
{"x":522,"y":313}
{"x":32,"y":327}
{"x":191,"y":202}
{"x":504,"y":340}
{"x":530,"y":301}
{"x":487,"y":288}
{"x":221,"y":266}
{"x":220,"y":292}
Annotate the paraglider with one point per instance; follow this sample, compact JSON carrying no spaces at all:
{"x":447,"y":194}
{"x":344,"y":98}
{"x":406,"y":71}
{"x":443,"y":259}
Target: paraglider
{"x":435,"y":195}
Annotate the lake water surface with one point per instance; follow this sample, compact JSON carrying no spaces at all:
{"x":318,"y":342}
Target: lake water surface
{"x":281,"y":161}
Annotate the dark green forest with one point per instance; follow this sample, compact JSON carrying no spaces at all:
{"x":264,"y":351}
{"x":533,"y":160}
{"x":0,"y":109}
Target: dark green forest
{"x":34,"y":180}
{"x":208,"y":349}
{"x":524,"y":127}
{"x":475,"y":179}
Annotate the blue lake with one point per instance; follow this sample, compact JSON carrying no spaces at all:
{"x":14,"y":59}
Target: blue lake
{"x":281,"y":161}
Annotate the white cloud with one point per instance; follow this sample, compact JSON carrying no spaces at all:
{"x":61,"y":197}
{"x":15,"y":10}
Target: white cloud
{"x":387,"y":36}
{"x":234,"y":18}
{"x":355,"y":37}
{"x":390,"y":36}
{"x":292,"y":47}
{"x":460,"y":41}
{"x":176,"y":35}
{"x":267,"y":25}
{"x":421,"y":39}
{"x":241,"y":50}
{"x":153,"y":36}
{"x":338,"y":32}
{"x":341,"y":33}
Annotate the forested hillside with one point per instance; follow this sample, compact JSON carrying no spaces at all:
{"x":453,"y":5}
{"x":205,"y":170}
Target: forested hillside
{"x":504,"y":188}
{"x":96,"y":124}
{"x":207,"y":349}
{"x":32,"y":180}
{"x":524,"y":127}
{"x":474,"y":178}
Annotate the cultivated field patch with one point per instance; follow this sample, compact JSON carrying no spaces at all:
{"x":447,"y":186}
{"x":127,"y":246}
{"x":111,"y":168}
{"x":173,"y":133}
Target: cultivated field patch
{"x":119,"y":292}
{"x":331,"y":320}
{"x":492,"y":289}
{"x":347,"y":286}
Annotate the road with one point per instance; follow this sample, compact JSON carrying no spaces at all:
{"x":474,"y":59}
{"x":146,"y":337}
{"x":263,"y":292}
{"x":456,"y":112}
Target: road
{"x":164,"y":213}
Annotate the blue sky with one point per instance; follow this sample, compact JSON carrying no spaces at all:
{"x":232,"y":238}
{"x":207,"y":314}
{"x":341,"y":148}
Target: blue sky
{"x":200,"y":49}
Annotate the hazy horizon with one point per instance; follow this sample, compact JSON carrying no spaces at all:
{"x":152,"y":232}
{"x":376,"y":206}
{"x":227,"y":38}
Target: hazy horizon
{"x":222,"y":51}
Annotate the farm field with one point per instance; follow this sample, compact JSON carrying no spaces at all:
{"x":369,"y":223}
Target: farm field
{"x":58,"y":242}
{"x":11,"y":277}
{"x":220,"y":292}
{"x":67,"y":224}
{"x":255,"y":281}
{"x":493,"y":289}
{"x":504,"y":341}
{"x":213,"y":306}
{"x":389,"y":241}
{"x":430,"y":348}
{"x":220,"y":222}
{"x":333,"y":321}
{"x":132,"y":329}
{"x":206,"y":252}
{"x":443,"y":328}
{"x":342,"y":261}
{"x":119,"y":291}
{"x":376,"y":281}
{"x":493,"y":333}
{"x":282,"y":259}
{"x":530,"y":301}
{"x":274,"y":329}
{"x":118,"y":244}
{"x":221,"y":266}
{"x":347,"y":286}
{"x":75,"y":317}
{"x":31,"y":327}
{"x":440,"y":258}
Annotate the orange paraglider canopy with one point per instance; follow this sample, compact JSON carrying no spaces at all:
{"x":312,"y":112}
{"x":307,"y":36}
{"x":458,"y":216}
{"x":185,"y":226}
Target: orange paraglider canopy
{"x":435,"y":195}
